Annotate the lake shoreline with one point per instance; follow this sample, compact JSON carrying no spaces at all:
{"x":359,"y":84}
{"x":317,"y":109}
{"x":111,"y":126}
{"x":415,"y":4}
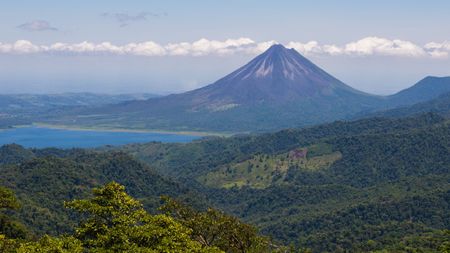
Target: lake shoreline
{"x":40,"y":136}
{"x":125,"y":130}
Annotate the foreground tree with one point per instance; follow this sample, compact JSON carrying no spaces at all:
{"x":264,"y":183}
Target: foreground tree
{"x":112,"y":221}
{"x":215,"y":228}
{"x":9,"y":227}
{"x":115,"y":222}
{"x":445,"y":247}
{"x":51,"y":244}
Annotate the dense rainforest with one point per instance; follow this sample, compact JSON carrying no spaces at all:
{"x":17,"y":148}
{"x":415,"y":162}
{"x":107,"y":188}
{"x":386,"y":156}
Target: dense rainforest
{"x":375,"y":184}
{"x":112,"y":221}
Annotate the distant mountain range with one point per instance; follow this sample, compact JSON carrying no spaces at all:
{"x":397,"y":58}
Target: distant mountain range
{"x":278,"y":89}
{"x":23,"y":109}
{"x":20,"y":102}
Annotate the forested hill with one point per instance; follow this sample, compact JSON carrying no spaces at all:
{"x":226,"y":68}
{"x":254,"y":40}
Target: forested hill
{"x":44,"y":178}
{"x":196,"y":158}
{"x":363,"y":185}
{"x":357,"y":186}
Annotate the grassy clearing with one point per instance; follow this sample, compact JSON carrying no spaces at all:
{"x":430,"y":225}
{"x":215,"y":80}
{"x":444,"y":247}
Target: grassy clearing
{"x":263,"y":170}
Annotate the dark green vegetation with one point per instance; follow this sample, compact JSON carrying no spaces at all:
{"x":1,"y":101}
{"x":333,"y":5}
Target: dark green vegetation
{"x":112,"y":221}
{"x":44,"y":179}
{"x":367,"y":185}
{"x":10,"y":227}
{"x":388,"y":188}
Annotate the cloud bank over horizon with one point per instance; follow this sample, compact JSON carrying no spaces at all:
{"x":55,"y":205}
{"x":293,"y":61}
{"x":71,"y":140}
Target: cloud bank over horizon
{"x":368,"y":46}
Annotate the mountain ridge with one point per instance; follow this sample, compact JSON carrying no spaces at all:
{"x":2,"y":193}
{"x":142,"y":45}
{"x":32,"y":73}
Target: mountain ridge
{"x":428,"y":88}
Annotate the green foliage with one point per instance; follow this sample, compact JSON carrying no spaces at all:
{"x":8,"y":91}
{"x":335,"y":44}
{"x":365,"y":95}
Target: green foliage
{"x":13,"y":154}
{"x":9,"y":226}
{"x":445,"y":246}
{"x":8,"y":245}
{"x":115,"y":222}
{"x":8,"y":199}
{"x":387,"y":191}
{"x":51,"y":244}
{"x":393,"y":172}
{"x":214,"y":228}
{"x":195,"y":159}
{"x":262,"y":170}
{"x":52,"y":176}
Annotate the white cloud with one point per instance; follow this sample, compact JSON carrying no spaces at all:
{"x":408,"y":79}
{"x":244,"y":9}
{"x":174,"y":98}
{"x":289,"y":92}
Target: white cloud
{"x":148,"y":48}
{"x":440,"y":46}
{"x":308,"y":48}
{"x":364,"y":47}
{"x":207,"y":47}
{"x":24,"y":47}
{"x":332,"y":49}
{"x":369,"y":46}
{"x":382,"y":46}
{"x":438,"y":50}
{"x":374,"y":46}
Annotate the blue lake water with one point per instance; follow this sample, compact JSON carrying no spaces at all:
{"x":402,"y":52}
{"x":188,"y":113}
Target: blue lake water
{"x":41,"y":137}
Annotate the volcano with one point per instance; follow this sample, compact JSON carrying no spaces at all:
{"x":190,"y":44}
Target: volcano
{"x":279,"y":75}
{"x":277,"y":89}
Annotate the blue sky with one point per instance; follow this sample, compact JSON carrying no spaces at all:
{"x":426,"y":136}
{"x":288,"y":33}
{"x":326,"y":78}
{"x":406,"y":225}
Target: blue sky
{"x":376,"y":46}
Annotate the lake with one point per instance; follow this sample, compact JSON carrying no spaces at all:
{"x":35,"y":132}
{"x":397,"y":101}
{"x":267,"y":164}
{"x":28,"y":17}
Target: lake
{"x":41,"y":137}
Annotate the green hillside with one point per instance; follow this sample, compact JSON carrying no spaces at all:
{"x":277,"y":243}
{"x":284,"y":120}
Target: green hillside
{"x":49,"y":177}
{"x":371,"y":184}
{"x":263,"y":170}
{"x":359,"y":186}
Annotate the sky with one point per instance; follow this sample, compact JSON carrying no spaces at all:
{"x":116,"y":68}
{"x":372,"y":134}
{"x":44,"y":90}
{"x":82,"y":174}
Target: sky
{"x":171,"y":46}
